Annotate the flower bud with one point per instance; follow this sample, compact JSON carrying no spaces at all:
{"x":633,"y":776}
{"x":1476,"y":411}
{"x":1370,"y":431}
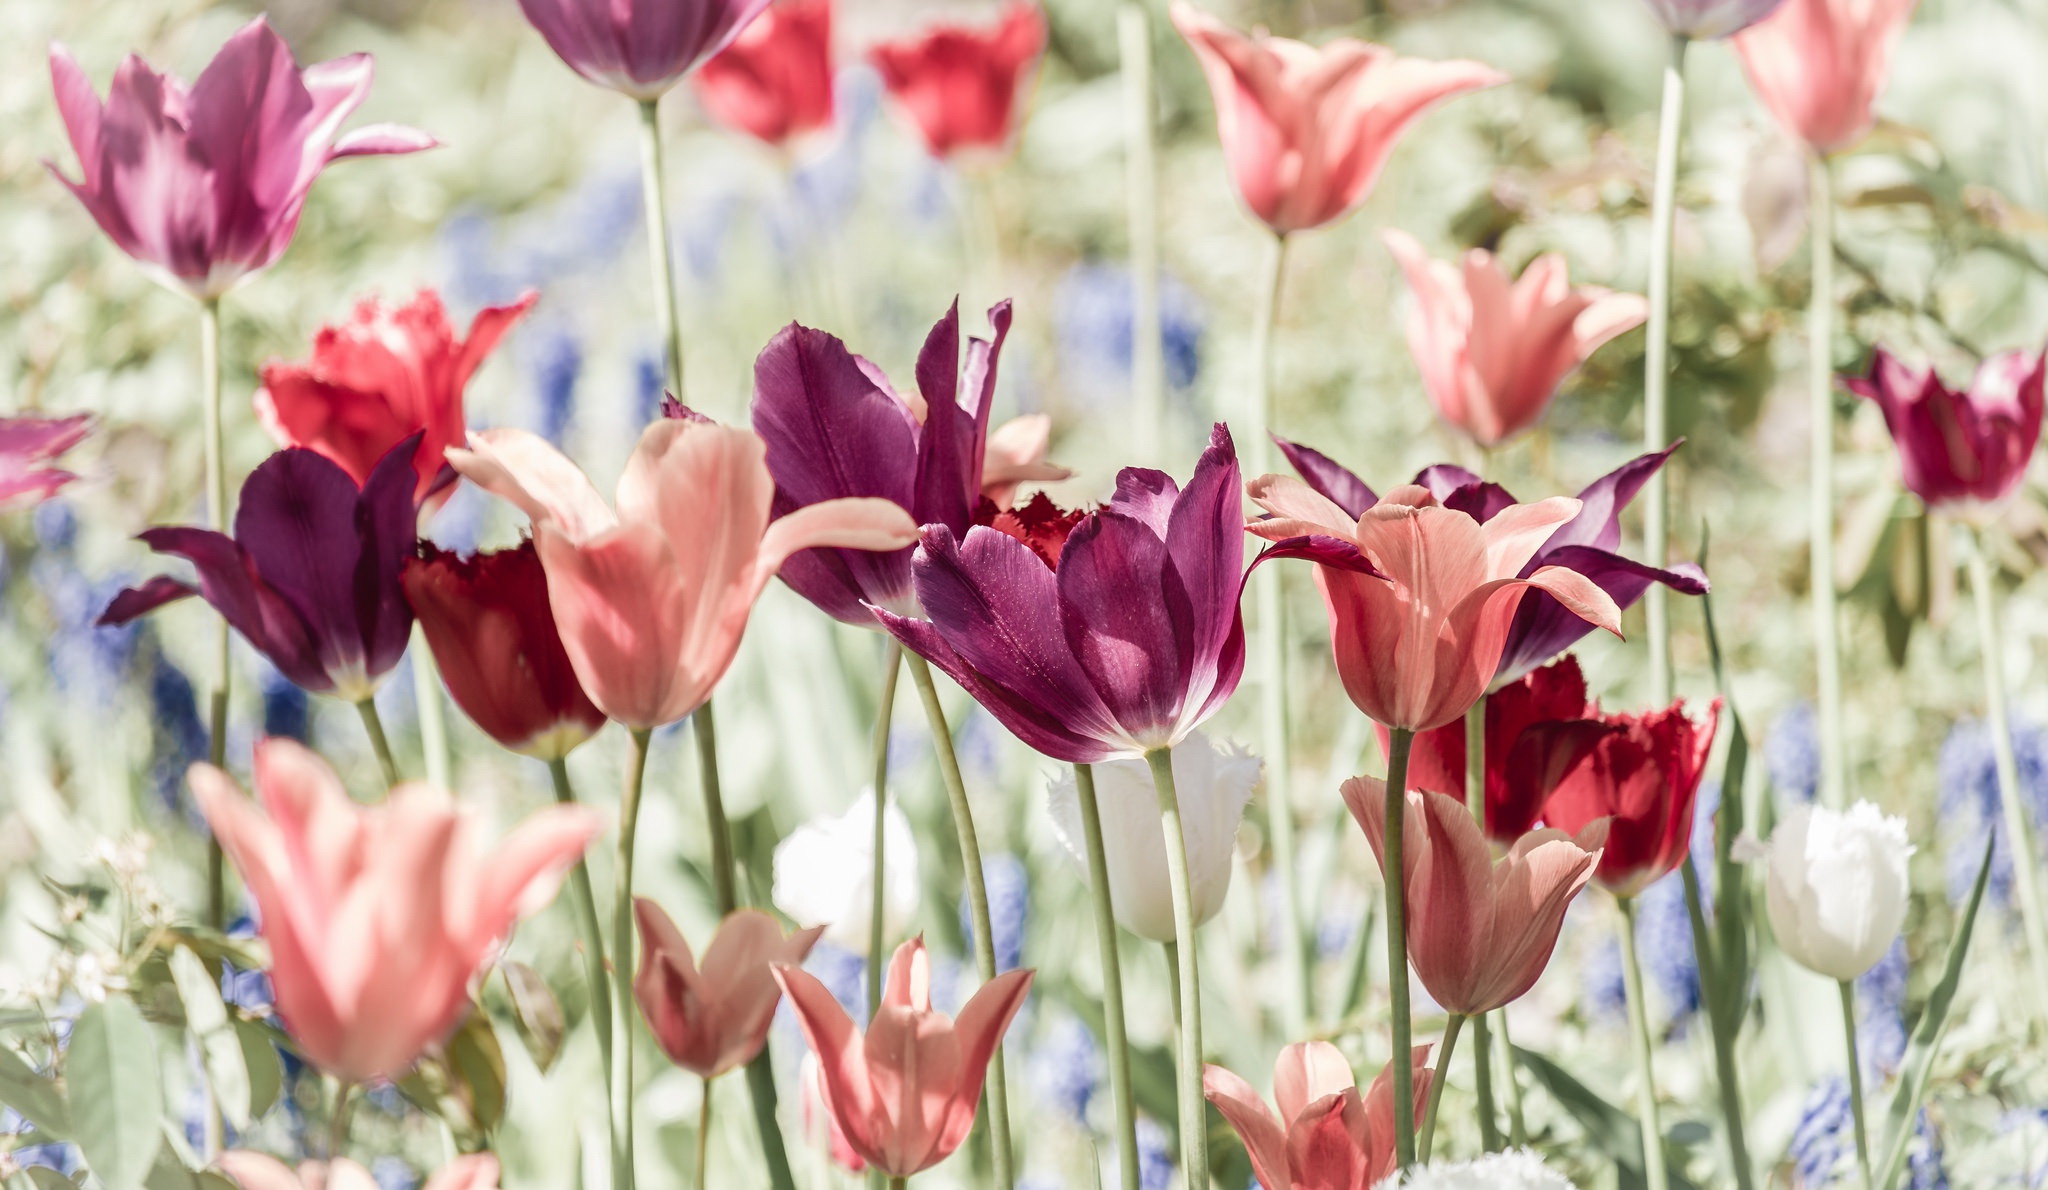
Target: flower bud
{"x":1837,"y":887}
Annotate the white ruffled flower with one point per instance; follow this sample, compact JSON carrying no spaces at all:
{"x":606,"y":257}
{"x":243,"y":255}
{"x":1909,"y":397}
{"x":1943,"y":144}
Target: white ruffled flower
{"x":1516,"y":1170}
{"x":824,"y":873}
{"x":1837,"y":887}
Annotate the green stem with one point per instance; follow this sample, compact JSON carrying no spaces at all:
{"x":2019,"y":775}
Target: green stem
{"x":622,"y":965}
{"x":584,"y":901}
{"x":1141,"y":177}
{"x":1834,"y":787}
{"x":1482,"y":1083}
{"x":337,"y":1124}
{"x":898,"y":1183}
{"x":1193,"y":1123}
{"x":1720,"y":1024}
{"x":1475,"y":762}
{"x":1112,"y":980}
{"x":1436,"y":1088}
{"x":217,"y":518}
{"x":704,"y":1138}
{"x":996,"y":1088}
{"x":1518,"y":1124}
{"x":1646,"y":1074}
{"x":1657,"y":365}
{"x":1855,"y":1081}
{"x":878,"y":930}
{"x":1392,"y":875}
{"x":373,"y":723}
{"x":426,"y":687}
{"x":655,"y":199}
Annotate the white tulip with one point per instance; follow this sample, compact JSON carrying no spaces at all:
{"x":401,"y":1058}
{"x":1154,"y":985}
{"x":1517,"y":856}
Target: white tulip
{"x":1213,"y":787}
{"x":824,"y":873}
{"x":1837,"y":886}
{"x":1516,"y":1170}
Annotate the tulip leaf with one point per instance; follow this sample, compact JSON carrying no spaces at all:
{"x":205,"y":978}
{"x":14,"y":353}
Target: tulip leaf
{"x":266,"y":1070}
{"x":536,"y":1012}
{"x":34,"y":1096}
{"x":1729,"y":989}
{"x":1609,"y":1130}
{"x":116,"y":1092}
{"x":42,"y":1177}
{"x":463,"y":1082}
{"x":206,"y":1015}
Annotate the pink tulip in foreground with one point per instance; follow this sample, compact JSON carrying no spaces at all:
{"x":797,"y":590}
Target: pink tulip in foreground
{"x":1492,"y":351}
{"x":1306,"y":130}
{"x":377,"y":917}
{"x":904,"y":1093}
{"x":255,"y":1171}
{"x":203,"y":185}
{"x":26,"y":443}
{"x":715,"y":1019}
{"x":1819,"y":65}
{"x":1328,"y":1136}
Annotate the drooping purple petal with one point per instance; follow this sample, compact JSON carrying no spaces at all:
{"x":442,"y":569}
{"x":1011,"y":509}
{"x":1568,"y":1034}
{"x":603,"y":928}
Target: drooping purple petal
{"x":1128,"y":619}
{"x":1320,"y":549}
{"x":1205,"y":545}
{"x":297,"y":521}
{"x":1599,"y":521}
{"x":1543,"y":628}
{"x":229,"y":582}
{"x":139,"y":601}
{"x":1334,"y":481}
{"x":388,"y":521}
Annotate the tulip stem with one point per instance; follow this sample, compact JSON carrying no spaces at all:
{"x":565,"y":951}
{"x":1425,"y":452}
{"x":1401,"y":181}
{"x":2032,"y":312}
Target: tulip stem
{"x":1834,"y":787}
{"x":704,"y":1138}
{"x":1719,"y":1023}
{"x":1482,"y":1040}
{"x":426,"y":688}
{"x":1855,"y":1080}
{"x":1475,"y":762}
{"x":1436,"y":1087}
{"x":1141,"y":180}
{"x":1657,"y":365}
{"x":217,"y":517}
{"x":898,"y":1183}
{"x":337,"y":1125}
{"x":654,"y":196}
{"x":1393,"y":875}
{"x":1112,"y":980}
{"x":1518,"y":1125}
{"x":878,"y":929}
{"x":1646,"y":1074}
{"x":622,"y":966}
{"x":373,"y":723}
{"x":1193,"y":1122}
{"x":1482,"y":1083}
{"x":584,"y":901}
{"x":996,"y":1088}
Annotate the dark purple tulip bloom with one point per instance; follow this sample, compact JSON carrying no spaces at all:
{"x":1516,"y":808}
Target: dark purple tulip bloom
{"x":639,"y":48}
{"x":836,"y":428}
{"x":311,"y":576}
{"x":1128,"y":646}
{"x":1962,"y":452}
{"x":1543,"y":628}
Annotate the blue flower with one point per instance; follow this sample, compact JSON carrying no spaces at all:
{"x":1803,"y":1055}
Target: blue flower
{"x":1664,"y":942}
{"x":650,"y":381}
{"x":88,"y":662}
{"x":1824,"y":1133}
{"x":1881,"y":1021}
{"x":1925,"y":1167}
{"x":555,"y":357}
{"x":56,"y":525}
{"x":392,"y":1173}
{"x":1970,"y":800}
{"x":844,"y":974}
{"x":1155,"y":1156}
{"x":1094,"y":317}
{"x":1009,"y":907}
{"x":178,"y":739}
{"x":287,"y":712}
{"x":1066,"y":1067}
{"x":1792,"y":752}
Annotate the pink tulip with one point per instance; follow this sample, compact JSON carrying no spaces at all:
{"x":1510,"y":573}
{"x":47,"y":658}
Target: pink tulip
{"x":256,"y":1171}
{"x":204,"y":184}
{"x":1421,"y":596}
{"x":1492,"y":352}
{"x":1327,"y":1136}
{"x":1306,"y":130}
{"x":26,"y":443}
{"x":377,"y":917}
{"x":716,"y":1019}
{"x":904,"y":1094}
{"x":652,"y":600}
{"x":1819,"y":65}
{"x":1480,"y":930}
{"x":819,"y":1122}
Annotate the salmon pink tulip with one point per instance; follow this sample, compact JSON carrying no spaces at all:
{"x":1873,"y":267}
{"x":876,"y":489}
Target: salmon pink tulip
{"x":203,"y":185}
{"x":1963,"y":452}
{"x":639,"y":48}
{"x":1306,"y":130}
{"x":774,"y":82}
{"x":26,"y":443}
{"x":1328,"y":1136}
{"x":715,"y":1019}
{"x":651,"y":600}
{"x":904,"y":1093}
{"x":1643,"y":776}
{"x":959,"y":85}
{"x":258,"y":1171}
{"x":377,"y":917}
{"x":1819,"y":65}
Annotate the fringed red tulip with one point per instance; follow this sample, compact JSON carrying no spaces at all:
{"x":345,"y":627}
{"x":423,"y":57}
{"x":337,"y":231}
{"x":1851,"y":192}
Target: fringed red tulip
{"x":1643,"y":776}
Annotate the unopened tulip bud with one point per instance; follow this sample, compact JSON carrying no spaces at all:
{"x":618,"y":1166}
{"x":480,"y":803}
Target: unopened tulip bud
{"x":1837,"y":887}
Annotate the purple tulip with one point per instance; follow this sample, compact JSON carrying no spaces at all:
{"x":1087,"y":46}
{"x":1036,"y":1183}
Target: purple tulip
{"x":204,"y":184}
{"x":1543,"y":627}
{"x":1963,"y":452}
{"x":639,"y":48}
{"x":1706,"y":20}
{"x":1128,"y":646}
{"x":835,"y":428}
{"x":311,"y":576}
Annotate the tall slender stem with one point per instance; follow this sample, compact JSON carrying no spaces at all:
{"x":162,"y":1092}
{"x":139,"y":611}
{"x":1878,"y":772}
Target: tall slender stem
{"x":1518,"y":1124}
{"x":426,"y":688}
{"x":1721,"y":1023}
{"x":899,"y":1183}
{"x":1193,"y":1123}
{"x":1141,"y":181}
{"x":1482,"y":1041}
{"x":1855,"y":1081}
{"x":337,"y":1124}
{"x":217,"y":517}
{"x":622,"y":965}
{"x":373,"y":724}
{"x":1646,"y":1073}
{"x":1657,"y":365}
{"x":997,"y":1087}
{"x":1475,"y":762}
{"x":1393,"y":875}
{"x":1482,"y":1083}
{"x":704,"y":1138}
{"x":1834,"y":783}
{"x":878,"y":929}
{"x":1112,"y":980}
{"x":1436,"y":1087}
{"x":654,"y":196}
{"x":584,"y":901}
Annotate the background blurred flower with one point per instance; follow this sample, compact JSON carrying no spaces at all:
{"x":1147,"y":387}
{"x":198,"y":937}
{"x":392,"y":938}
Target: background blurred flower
{"x":1518,"y":1169}
{"x":1709,"y":19}
{"x":959,"y":85}
{"x":1963,"y":452}
{"x":824,"y":873}
{"x":639,"y":48}
{"x":713,"y":1017}
{"x":1819,"y":65}
{"x":1836,"y":888}
{"x":774,"y":81}
{"x":1008,"y":881}
{"x":28,"y":442}
{"x":1969,"y":803}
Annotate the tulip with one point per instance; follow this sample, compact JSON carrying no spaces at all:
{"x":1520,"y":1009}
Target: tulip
{"x":716,"y":1019}
{"x":958,"y":84}
{"x":383,"y":376}
{"x":1709,"y":20}
{"x":651,"y":600}
{"x":1015,"y":455}
{"x":904,"y":1093}
{"x":377,"y":917}
{"x":1518,"y":1169}
{"x":203,"y":185}
{"x":1038,"y":523}
{"x":28,"y":442}
{"x":774,"y":82}
{"x":819,"y":1121}
{"x":1214,"y":785}
{"x":639,"y":48}
{"x":1964,"y":453}
{"x":311,"y":575}
{"x":1818,"y":65}
{"x":1837,"y":888}
{"x":1307,"y":130}
{"x":825,"y":870}
{"x":1644,"y":776}
{"x":492,"y":630}
{"x":257,"y":1171}
{"x":1492,"y":351}
{"x":1327,"y":1134}
{"x":1588,"y":544}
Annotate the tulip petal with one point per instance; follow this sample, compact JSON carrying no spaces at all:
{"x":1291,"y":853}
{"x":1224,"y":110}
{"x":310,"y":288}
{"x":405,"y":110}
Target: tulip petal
{"x":842,"y":1066}
{"x":375,"y":140}
{"x":473,"y":1171}
{"x":1330,"y":479}
{"x":525,"y":470}
{"x":1263,"y":1136}
{"x":980,"y":1027}
{"x":1306,"y":1072}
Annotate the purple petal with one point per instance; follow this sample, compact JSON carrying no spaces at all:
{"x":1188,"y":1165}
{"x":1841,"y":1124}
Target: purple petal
{"x":1334,"y":552}
{"x":1205,"y":546}
{"x":136,"y":602}
{"x":942,"y":463}
{"x":376,"y":140}
{"x":1129,"y":620}
{"x":228,"y":580}
{"x":1335,"y":482}
{"x":1543,"y":628}
{"x":1145,"y":496}
{"x":298,"y":523}
{"x":1599,"y":522}
{"x":389,"y":522}
{"x":1456,"y":488}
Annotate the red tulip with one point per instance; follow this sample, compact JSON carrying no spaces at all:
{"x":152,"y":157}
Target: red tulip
{"x":26,"y":443}
{"x":1644,"y":777}
{"x":774,"y":82}
{"x":1307,"y":130}
{"x":1819,"y":65}
{"x":1963,"y":452}
{"x":1327,"y":1136}
{"x":379,"y":378}
{"x":959,"y":85}
{"x":1480,"y":930}
{"x":716,"y":1019}
{"x":904,"y":1094}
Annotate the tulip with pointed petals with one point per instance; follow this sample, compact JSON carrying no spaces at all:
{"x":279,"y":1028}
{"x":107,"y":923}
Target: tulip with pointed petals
{"x":1492,"y":352}
{"x":1643,"y":776}
{"x":774,"y":82}
{"x":959,"y":85}
{"x":904,"y":1093}
{"x":1328,"y":1135}
{"x":819,"y":1121}
{"x":378,"y":917}
{"x":203,"y":185}
{"x":386,"y":374}
{"x":311,"y":575}
{"x":651,"y":600}
{"x":1305,"y":129}
{"x":1709,"y":20}
{"x":258,"y":1171}
{"x":639,"y":48}
{"x":26,"y":443}
{"x":1819,"y":65}
{"x":1128,"y":647}
{"x":1963,"y":452}
{"x":715,"y":1019}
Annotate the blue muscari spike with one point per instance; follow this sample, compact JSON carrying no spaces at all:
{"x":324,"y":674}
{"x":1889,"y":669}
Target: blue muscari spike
{"x":650,"y":375}
{"x":1792,"y":753}
{"x":1066,"y":1067}
{"x":287,"y":712}
{"x":178,"y":737}
{"x":1009,"y":907}
{"x":1665,"y":944}
{"x":1969,"y":800}
{"x":1155,"y":1156}
{"x":844,"y":974}
{"x":556,"y":359}
{"x":1093,"y":314}
{"x":392,"y":1173}
{"x":1824,"y":1134}
{"x":1926,"y":1167}
{"x":1880,"y":1016}
{"x":56,"y":525}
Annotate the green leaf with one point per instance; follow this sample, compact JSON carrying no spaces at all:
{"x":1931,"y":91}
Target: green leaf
{"x":1728,"y":997}
{"x":1610,"y":1131}
{"x":220,"y":1049}
{"x":116,"y":1092}
{"x":537,"y":1013}
{"x":34,"y":1096}
{"x":463,"y":1082}
{"x":169,"y":1173}
{"x":42,"y":1177}
{"x":266,"y":1069}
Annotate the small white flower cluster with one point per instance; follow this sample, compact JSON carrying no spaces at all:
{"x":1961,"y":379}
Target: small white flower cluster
{"x":1519,"y":1169}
